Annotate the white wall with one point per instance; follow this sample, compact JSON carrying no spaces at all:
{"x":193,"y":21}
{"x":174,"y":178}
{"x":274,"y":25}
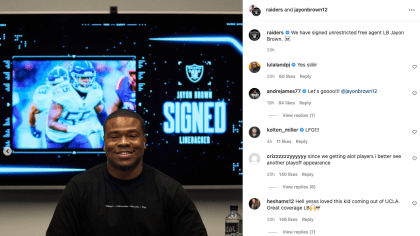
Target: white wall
{"x":123,"y":5}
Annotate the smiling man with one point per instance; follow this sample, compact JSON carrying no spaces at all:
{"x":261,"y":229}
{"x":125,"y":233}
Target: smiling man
{"x":125,"y":196}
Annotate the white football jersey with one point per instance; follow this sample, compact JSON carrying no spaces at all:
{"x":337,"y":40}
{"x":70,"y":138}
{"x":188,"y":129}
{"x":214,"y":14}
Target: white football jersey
{"x":75,"y":109}
{"x":43,"y":97}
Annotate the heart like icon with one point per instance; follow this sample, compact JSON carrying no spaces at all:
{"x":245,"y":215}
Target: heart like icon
{"x":414,"y":92}
{"x":414,"y":203}
{"x":414,"y":66}
{"x":414,"y":131}
{"x":414,"y":158}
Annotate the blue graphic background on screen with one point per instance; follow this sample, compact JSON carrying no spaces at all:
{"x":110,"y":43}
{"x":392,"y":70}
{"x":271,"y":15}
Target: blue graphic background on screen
{"x":31,"y":86}
{"x":186,"y":115}
{"x":213,"y":43}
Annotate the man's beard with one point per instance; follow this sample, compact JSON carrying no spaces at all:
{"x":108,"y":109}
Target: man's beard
{"x":127,"y":167}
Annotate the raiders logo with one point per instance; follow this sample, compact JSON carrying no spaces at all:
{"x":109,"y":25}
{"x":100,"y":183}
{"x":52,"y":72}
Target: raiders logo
{"x":194,"y":72}
{"x":254,"y":35}
{"x":256,"y":11}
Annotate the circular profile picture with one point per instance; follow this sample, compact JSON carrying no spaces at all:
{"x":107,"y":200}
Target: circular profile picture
{"x":254,"y":35}
{"x":254,"y":158}
{"x":254,"y":93}
{"x":251,"y":7}
{"x":254,"y":203}
{"x":254,"y":67}
{"x":256,"y":11}
{"x":254,"y":132}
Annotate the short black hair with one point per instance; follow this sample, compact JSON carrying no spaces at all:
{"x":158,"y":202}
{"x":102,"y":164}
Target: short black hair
{"x":125,"y":113}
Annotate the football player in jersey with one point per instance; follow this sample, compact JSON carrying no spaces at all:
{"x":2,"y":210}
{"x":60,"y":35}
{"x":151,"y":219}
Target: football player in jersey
{"x":72,"y":105}
{"x":42,"y":98}
{"x":126,"y":90}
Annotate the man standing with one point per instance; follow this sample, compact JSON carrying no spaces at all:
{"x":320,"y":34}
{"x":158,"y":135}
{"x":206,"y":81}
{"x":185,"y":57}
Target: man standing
{"x":124,"y":196}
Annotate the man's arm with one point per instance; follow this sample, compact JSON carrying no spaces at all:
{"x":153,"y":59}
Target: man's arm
{"x":32,"y":115}
{"x":54,"y":115}
{"x":32,"y":119}
{"x":185,"y":219}
{"x":66,"y":219}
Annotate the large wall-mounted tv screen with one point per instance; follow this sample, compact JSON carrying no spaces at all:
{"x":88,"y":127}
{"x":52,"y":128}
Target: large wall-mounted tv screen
{"x":181,"y":73}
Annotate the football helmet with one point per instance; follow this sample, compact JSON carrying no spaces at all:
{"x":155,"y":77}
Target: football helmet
{"x":57,"y":75}
{"x":131,"y":67}
{"x":82,"y":75}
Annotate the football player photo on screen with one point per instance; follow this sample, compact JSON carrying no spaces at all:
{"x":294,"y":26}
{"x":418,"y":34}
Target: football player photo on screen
{"x":65,"y":103}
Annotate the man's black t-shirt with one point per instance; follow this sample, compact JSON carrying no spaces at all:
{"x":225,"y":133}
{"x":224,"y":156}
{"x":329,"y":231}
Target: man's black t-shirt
{"x":96,"y":203}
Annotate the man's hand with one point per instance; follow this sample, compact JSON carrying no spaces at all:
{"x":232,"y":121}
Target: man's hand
{"x":36,"y":133}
